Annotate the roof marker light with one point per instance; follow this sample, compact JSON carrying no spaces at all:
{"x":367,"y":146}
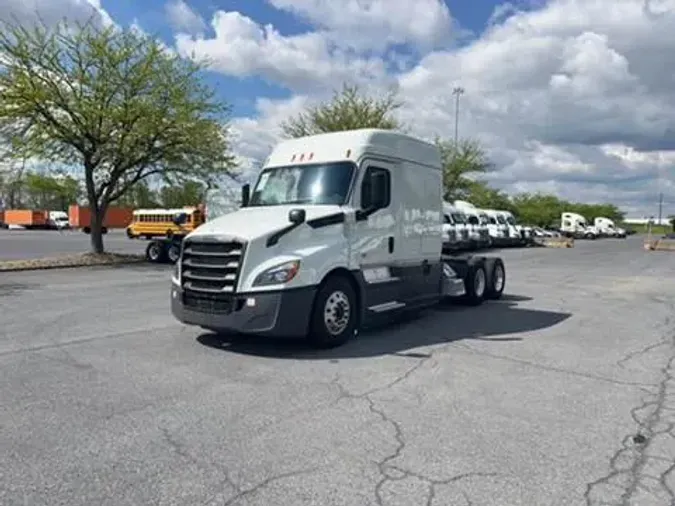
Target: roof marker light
{"x":302,"y":157}
{"x":293,"y":158}
{"x":349,"y":153}
{"x":311,"y":155}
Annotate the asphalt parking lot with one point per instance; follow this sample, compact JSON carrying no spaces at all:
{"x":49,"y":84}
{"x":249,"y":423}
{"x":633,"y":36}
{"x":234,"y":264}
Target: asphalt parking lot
{"x":29,"y":244}
{"x":563,"y":393}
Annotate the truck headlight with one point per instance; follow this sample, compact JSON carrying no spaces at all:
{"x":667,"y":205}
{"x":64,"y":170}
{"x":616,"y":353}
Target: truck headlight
{"x":278,"y":274}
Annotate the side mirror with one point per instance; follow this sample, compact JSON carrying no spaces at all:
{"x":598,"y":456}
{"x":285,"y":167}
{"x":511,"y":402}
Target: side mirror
{"x":245,"y":195}
{"x":180,"y":219}
{"x":378,"y":191}
{"x":297,"y":216}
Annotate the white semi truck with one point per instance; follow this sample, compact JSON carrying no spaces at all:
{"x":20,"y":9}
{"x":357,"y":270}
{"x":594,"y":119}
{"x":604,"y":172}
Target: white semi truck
{"x":574,"y":225}
{"x":479,"y":234}
{"x":340,"y":231}
{"x":608,"y":228}
{"x":455,"y":229}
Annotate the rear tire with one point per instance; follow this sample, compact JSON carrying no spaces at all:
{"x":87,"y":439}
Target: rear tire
{"x":496,"y":275}
{"x":155,"y":252}
{"x":475,"y":284}
{"x":334,"y":318}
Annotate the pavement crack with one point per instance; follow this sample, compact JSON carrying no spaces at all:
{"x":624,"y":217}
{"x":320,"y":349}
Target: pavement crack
{"x":551,"y":368}
{"x":627,"y":466}
{"x":432,"y":483}
{"x":182,"y":450}
{"x":634,"y":354}
{"x":241,"y":494}
{"x":388,"y":471}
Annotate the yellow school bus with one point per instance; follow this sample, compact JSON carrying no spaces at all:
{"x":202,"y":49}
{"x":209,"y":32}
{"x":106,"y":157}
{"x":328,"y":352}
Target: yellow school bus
{"x":151,"y":223}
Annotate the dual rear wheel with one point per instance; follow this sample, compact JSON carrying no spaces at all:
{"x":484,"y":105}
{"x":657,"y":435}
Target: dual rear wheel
{"x":335,"y":314}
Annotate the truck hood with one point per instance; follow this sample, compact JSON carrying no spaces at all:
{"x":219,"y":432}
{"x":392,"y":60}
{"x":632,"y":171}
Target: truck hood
{"x":250,"y":223}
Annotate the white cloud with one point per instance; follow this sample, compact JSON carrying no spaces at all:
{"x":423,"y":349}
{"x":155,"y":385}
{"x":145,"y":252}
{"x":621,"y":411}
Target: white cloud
{"x":52,"y":11}
{"x":183,"y":18}
{"x":377,"y":24}
{"x":241,"y":47}
{"x":576,"y":97}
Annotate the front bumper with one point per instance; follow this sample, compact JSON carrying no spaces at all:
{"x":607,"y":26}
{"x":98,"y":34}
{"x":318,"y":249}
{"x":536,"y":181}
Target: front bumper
{"x":284,"y":313}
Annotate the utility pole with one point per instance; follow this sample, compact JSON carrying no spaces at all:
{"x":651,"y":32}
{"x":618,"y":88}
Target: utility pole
{"x":660,"y":207}
{"x":457,"y":91}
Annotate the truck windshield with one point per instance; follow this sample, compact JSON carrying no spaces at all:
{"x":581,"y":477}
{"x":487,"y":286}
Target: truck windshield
{"x":458,"y":218}
{"x":501,"y":220}
{"x":318,"y":184}
{"x":511,"y":220}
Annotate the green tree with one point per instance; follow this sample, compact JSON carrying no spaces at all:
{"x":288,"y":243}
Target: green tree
{"x":349,"y":109}
{"x":484,"y":197}
{"x":539,"y":208}
{"x":191,"y":193}
{"x":459,"y":161}
{"x":113,"y":102}
{"x":140,"y":196}
{"x":54,"y":193}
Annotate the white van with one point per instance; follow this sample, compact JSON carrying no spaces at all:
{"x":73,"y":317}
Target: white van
{"x":58,"y":220}
{"x":340,"y":231}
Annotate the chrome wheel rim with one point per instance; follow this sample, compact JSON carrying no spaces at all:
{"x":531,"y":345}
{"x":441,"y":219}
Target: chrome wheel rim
{"x":336,"y":313}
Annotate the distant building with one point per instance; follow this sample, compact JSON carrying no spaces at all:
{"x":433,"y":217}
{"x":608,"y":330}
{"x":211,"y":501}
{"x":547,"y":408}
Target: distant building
{"x":645,"y":221}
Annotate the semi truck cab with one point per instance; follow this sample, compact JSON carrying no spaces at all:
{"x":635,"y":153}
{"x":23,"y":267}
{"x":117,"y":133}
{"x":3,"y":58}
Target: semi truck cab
{"x":608,"y":228}
{"x":339,"y":231}
{"x":574,"y":225}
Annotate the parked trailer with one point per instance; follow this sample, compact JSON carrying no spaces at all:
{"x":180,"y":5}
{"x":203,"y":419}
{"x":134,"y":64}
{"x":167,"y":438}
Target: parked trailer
{"x":26,"y":218}
{"x":115,"y":217}
{"x":354,"y":237}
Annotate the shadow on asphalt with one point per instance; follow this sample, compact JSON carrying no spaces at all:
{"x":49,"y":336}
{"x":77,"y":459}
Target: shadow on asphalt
{"x":496,"y":321}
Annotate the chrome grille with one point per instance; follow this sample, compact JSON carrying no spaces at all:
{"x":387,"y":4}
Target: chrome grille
{"x":210,"y":266}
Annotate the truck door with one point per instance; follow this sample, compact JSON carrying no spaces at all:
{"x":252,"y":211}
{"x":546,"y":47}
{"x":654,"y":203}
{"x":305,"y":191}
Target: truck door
{"x":374,"y":239}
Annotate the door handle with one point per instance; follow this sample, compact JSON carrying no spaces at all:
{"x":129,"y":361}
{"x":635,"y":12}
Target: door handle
{"x":391,"y":244}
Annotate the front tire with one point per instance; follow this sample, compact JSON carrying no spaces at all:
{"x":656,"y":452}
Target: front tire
{"x":334,"y":315}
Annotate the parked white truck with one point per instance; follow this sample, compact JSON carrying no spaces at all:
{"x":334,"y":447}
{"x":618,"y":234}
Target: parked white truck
{"x":341,"y":230}
{"x":499,"y":230}
{"x":574,"y":225}
{"x":607,"y":228}
{"x":479,"y":234}
{"x":519,"y":234}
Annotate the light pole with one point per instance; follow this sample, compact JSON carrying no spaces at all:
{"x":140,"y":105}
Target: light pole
{"x":457,"y":92}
